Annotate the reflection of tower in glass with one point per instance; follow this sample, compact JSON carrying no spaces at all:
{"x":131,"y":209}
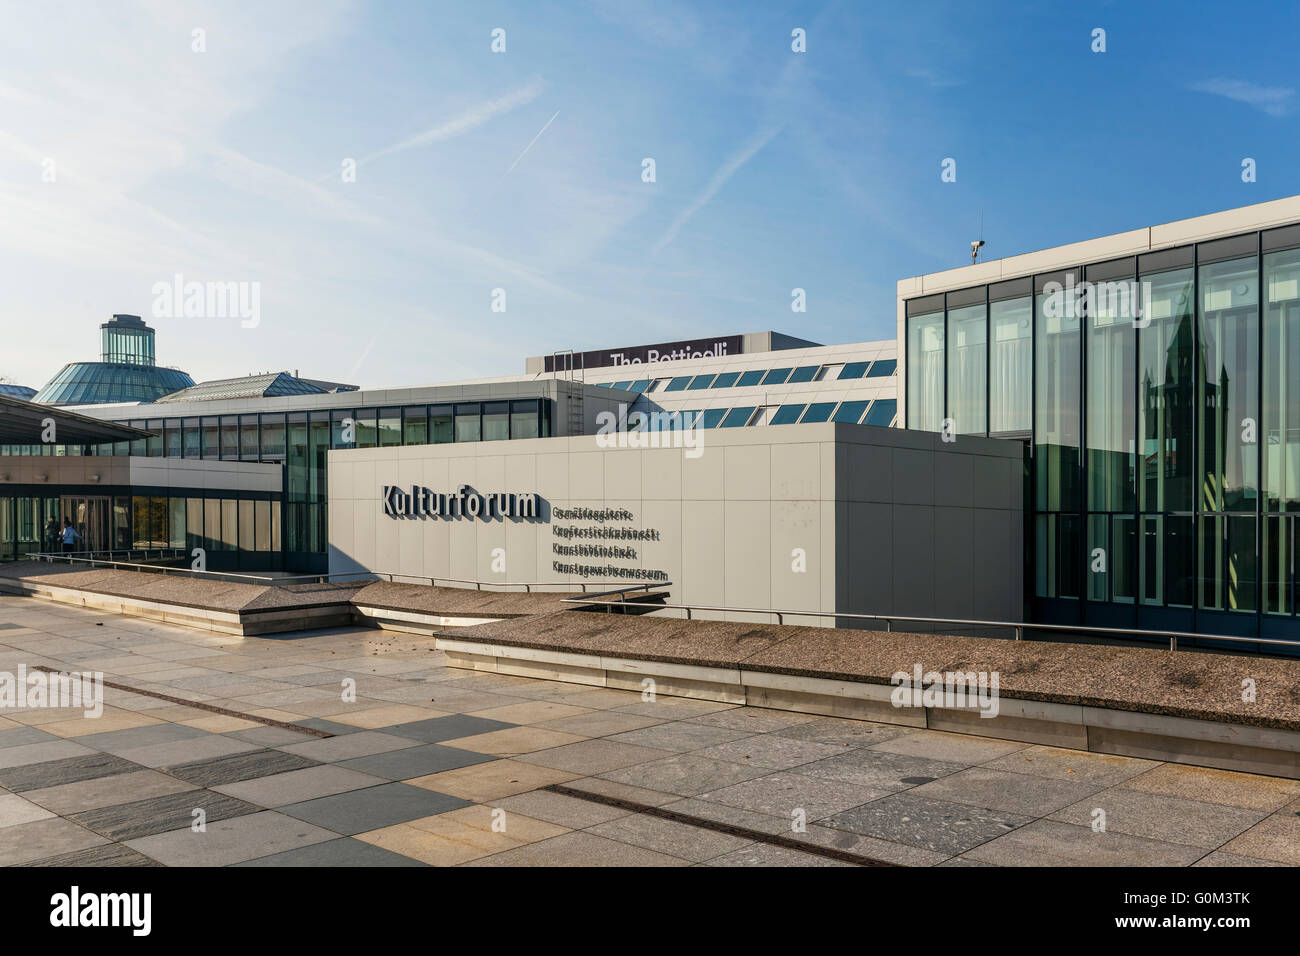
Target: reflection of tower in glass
{"x":1167,"y":411}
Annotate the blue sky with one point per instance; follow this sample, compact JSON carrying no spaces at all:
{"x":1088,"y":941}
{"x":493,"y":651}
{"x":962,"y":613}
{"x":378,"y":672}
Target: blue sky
{"x":774,"y":170}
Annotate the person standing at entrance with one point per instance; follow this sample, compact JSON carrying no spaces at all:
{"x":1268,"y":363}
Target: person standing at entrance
{"x":70,"y":536}
{"x":52,"y":534}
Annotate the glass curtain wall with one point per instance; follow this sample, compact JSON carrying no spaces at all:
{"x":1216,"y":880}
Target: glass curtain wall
{"x":1163,"y":399}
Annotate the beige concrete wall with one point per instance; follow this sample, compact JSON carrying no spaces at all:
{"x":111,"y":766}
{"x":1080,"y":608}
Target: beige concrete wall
{"x":120,"y":470}
{"x":800,"y":517}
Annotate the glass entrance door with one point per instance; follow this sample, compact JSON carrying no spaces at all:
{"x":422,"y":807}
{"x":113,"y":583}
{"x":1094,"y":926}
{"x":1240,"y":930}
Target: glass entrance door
{"x":89,"y":515}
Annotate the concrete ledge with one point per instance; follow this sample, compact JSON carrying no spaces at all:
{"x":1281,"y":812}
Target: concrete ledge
{"x":410,"y":622}
{"x":1201,"y":742}
{"x":246,"y":610}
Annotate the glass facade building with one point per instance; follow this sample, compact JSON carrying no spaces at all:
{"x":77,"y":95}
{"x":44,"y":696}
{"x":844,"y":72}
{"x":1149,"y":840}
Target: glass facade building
{"x":295,"y":526}
{"x":126,"y":371}
{"x":1158,"y":397}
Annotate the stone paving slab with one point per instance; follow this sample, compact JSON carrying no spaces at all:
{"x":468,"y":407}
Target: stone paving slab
{"x":110,"y":854}
{"x":106,"y":791}
{"x":237,"y":767}
{"x":415,"y":761}
{"x":360,"y":810}
{"x":437,"y":729}
{"x":579,"y":849}
{"x":1048,"y":843}
{"x":1167,"y":819}
{"x":231,"y":841}
{"x":173,"y":811}
{"x":15,"y":810}
{"x":44,"y":838}
{"x":345,"y":851}
{"x":297,"y":786}
{"x":930,"y":824}
{"x":52,"y":773}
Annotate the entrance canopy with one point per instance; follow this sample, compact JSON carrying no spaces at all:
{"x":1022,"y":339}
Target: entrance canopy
{"x":25,"y":423}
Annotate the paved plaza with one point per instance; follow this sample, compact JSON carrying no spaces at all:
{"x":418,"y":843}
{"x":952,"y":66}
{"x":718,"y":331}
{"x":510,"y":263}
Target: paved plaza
{"x":433,"y":765}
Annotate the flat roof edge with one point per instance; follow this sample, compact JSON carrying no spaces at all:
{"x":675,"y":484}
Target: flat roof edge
{"x":1264,"y":215}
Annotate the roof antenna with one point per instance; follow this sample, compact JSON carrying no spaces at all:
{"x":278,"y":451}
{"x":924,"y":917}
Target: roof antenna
{"x":975,"y":246}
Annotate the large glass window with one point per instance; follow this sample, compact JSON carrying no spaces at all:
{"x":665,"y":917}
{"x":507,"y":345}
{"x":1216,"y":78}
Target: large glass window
{"x":849,"y":412}
{"x":738,"y":417}
{"x":1057,"y":555}
{"x":415,"y":425}
{"x":1279,"y":562}
{"x":787,"y":414}
{"x":194,"y":523}
{"x":882,"y":412}
{"x":272,"y":437}
{"x":441,"y":429}
{"x":390,"y":427}
{"x":343,"y":428}
{"x":1010,"y":365}
{"x":1166,"y":405}
{"x":496,"y":421}
{"x":1167,"y":561}
{"x":192,"y":439}
{"x":818,"y":412}
{"x":925,"y":371}
{"x":230,"y":437}
{"x":1227,"y":571}
{"x":1281,"y":412}
{"x":1228,"y":449}
{"x":367,"y":428}
{"x":1056,"y":400}
{"x":1111,"y":361}
{"x":967,"y":368}
{"x":249,"y":438}
{"x":467,"y":422}
{"x":523,"y":419}
{"x":296,"y":457}
{"x":711,"y":418}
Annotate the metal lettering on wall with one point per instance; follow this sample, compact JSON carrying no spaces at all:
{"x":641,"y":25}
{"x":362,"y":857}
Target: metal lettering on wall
{"x":610,"y":541}
{"x":420,"y":502}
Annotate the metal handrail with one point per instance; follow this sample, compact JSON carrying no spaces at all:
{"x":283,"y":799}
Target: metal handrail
{"x":1018,"y":626}
{"x":152,"y":568}
{"x":108,"y":553}
{"x":325,"y":577}
{"x":479,"y":585}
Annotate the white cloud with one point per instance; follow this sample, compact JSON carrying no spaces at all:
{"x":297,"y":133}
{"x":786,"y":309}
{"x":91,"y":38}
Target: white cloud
{"x":727,"y":170}
{"x":470,"y":119}
{"x":1273,"y":100}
